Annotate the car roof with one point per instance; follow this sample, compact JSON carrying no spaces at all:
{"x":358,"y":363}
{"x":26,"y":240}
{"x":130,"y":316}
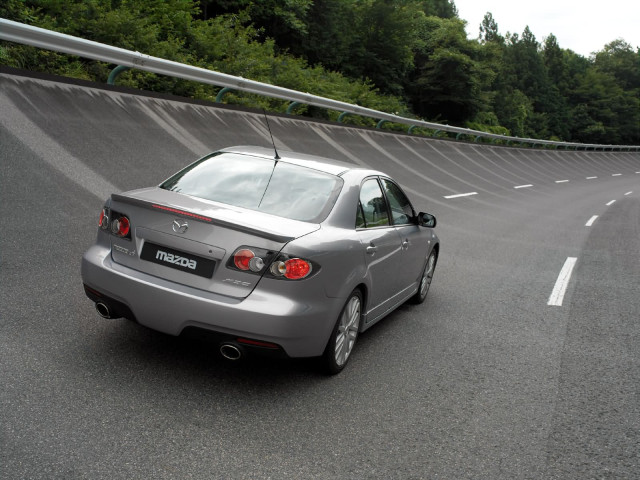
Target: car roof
{"x":315,"y":162}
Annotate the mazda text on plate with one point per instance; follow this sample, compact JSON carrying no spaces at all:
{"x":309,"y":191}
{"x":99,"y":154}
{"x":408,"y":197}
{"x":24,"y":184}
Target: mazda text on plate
{"x":291,"y":255}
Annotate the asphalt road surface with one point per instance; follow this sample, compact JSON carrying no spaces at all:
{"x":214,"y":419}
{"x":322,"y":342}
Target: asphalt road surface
{"x":513,"y":368}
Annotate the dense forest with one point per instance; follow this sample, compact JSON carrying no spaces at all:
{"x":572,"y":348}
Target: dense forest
{"x":410,"y":57}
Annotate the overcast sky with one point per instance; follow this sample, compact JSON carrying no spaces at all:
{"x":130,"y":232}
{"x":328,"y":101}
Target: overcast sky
{"x":584,"y":26}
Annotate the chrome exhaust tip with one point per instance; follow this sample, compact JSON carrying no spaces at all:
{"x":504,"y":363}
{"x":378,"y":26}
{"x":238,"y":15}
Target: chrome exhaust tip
{"x":103,"y":310}
{"x":230,"y":352}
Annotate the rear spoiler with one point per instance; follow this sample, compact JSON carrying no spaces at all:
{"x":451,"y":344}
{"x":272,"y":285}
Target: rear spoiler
{"x":201,"y":218}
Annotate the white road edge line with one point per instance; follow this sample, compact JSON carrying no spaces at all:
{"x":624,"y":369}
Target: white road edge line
{"x":523,"y":186}
{"x":591,"y":220}
{"x":562,"y":181}
{"x":557,"y":295}
{"x":461,"y":195}
{"x":611,"y":203}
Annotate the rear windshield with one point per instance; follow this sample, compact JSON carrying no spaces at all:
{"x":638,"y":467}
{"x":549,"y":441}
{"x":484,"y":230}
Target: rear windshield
{"x":261,"y":184}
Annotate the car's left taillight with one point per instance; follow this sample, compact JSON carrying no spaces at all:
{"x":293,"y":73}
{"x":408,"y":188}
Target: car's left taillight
{"x":117,"y":223}
{"x":103,"y":223}
{"x":121,"y":227}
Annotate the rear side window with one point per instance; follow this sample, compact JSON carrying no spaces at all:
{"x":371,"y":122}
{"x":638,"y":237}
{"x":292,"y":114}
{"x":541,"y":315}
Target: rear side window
{"x":261,"y":184}
{"x":372,"y":206}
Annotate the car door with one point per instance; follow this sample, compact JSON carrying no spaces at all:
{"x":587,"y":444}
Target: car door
{"x":382,"y":248}
{"x":413,"y":238}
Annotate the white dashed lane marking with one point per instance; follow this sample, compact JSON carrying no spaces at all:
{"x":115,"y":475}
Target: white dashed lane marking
{"x":557,"y":295}
{"x":591,"y":220}
{"x":529,"y":185}
{"x":458,"y":195}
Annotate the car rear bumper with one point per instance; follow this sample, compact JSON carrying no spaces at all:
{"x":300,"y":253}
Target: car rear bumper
{"x":300,"y":324}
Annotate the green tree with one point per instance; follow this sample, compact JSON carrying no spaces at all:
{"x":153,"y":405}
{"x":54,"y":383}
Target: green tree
{"x":331,"y":35}
{"x":439,"y":8}
{"x":383,"y":48}
{"x":277,"y":18}
{"x":554,"y":103}
{"x":618,"y":59}
{"x":516,"y":113}
{"x":489,"y":30}
{"x":446,"y":81}
{"x":608,"y":114}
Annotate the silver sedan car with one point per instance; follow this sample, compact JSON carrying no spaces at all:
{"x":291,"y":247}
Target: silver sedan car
{"x":292,"y":255}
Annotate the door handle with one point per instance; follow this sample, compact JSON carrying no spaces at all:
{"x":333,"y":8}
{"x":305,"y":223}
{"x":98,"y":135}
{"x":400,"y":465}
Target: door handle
{"x":405,"y":244}
{"x":371,"y":249}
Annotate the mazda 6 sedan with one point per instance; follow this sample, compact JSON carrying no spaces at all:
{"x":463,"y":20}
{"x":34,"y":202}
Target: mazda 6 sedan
{"x":292,"y":255}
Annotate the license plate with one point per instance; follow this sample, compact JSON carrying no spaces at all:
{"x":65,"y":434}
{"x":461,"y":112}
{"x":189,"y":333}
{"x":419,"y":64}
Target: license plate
{"x":185,"y":262}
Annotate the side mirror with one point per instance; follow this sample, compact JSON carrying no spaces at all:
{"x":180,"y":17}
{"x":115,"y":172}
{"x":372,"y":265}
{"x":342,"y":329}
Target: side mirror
{"x":426,"y":220}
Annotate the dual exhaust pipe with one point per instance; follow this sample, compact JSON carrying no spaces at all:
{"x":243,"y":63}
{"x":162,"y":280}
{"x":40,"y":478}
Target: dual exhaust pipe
{"x":103,"y":310}
{"x":230,"y":351}
{"x":227,"y":350}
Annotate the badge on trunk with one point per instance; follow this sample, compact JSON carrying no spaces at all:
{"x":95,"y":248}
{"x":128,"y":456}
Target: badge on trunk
{"x":180,"y":227}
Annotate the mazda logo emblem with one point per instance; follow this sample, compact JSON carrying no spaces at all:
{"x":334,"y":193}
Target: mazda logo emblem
{"x":179,"y":227}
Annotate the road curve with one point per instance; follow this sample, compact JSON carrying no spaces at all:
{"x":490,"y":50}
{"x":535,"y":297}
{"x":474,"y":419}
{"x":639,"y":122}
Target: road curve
{"x":513,"y":368}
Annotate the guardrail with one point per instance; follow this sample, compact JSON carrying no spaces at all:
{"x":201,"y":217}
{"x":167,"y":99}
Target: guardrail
{"x":50,"y":40}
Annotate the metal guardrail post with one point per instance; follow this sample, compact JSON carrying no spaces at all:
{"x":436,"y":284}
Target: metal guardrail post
{"x":222,"y":93}
{"x":342,"y":116}
{"x":291,"y":106}
{"x":380,"y":123}
{"x":115,"y":72}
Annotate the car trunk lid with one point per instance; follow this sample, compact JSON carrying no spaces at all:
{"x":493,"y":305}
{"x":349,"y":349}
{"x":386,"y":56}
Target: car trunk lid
{"x":190,"y":241}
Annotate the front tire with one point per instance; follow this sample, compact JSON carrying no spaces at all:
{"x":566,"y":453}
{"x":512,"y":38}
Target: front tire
{"x":344,"y":335}
{"x":425,"y":280}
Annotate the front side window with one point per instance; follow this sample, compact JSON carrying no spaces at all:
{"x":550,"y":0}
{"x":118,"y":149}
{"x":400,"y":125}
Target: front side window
{"x":261,"y":184}
{"x":401,"y":209}
{"x":372,"y":206}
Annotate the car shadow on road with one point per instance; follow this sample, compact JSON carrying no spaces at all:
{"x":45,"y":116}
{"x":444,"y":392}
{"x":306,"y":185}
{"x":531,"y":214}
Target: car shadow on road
{"x":125,"y":350}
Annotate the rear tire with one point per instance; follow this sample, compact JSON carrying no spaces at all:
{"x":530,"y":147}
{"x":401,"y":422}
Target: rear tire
{"x":344,"y":335}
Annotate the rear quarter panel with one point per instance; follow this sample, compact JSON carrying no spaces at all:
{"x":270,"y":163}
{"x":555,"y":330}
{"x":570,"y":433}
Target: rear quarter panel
{"x":340,"y":255}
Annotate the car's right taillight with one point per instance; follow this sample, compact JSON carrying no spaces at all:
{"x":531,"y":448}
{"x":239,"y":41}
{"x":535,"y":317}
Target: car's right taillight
{"x":292,"y":268}
{"x":260,"y":261}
